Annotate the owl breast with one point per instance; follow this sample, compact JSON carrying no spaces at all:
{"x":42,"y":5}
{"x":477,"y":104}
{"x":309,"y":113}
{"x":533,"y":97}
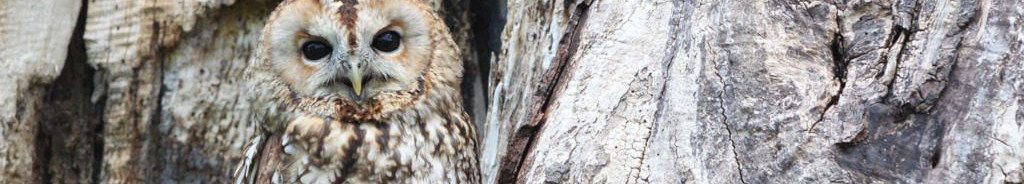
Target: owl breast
{"x":415,"y":146}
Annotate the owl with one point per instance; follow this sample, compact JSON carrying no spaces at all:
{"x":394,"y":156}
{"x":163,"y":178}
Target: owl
{"x":357,"y":91}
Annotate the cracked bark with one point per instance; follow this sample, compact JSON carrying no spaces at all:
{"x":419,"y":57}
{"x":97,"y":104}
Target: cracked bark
{"x":725,"y":122}
{"x":577,"y":91}
{"x":756,"y":92}
{"x":839,"y":67}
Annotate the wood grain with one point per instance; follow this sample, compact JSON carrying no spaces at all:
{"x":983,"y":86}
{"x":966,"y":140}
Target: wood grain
{"x":756,"y":92}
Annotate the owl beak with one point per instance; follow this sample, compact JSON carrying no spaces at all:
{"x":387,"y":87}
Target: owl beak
{"x":356,"y":77}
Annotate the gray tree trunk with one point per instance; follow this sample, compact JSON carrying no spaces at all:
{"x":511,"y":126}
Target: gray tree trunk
{"x":758,"y":92}
{"x":573,"y":91}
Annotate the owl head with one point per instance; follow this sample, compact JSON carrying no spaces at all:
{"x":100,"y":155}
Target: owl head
{"x":362,"y":56}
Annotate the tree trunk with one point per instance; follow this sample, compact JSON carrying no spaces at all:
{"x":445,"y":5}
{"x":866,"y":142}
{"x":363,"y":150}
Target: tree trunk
{"x":758,"y":92}
{"x":33,"y":40}
{"x":567,"y":91}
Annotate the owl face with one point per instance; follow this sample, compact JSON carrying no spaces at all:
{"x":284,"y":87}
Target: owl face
{"x":352,"y":50}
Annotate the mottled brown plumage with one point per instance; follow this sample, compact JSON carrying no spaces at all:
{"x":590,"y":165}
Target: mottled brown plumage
{"x":362,"y":113}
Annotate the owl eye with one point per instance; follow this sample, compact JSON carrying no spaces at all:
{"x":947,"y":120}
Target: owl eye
{"x":387,"y":41}
{"x":315,"y":50}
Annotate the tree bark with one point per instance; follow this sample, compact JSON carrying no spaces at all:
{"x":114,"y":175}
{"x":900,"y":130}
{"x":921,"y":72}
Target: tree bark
{"x":757,"y":91}
{"x":564,"y":91}
{"x":35,"y":37}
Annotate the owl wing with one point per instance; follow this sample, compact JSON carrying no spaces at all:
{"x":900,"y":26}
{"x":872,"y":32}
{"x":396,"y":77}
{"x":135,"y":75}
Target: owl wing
{"x":246,"y":169}
{"x":264,"y":154}
{"x":262,"y":158}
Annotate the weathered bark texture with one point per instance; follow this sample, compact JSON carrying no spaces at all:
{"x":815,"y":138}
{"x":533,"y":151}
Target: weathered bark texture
{"x":573,"y":91}
{"x":169,"y":75}
{"x":758,"y":92}
{"x":146,"y":91}
{"x":34,"y":38}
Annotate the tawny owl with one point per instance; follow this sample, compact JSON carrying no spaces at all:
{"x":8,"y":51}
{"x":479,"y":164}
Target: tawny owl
{"x":358,"y":91}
